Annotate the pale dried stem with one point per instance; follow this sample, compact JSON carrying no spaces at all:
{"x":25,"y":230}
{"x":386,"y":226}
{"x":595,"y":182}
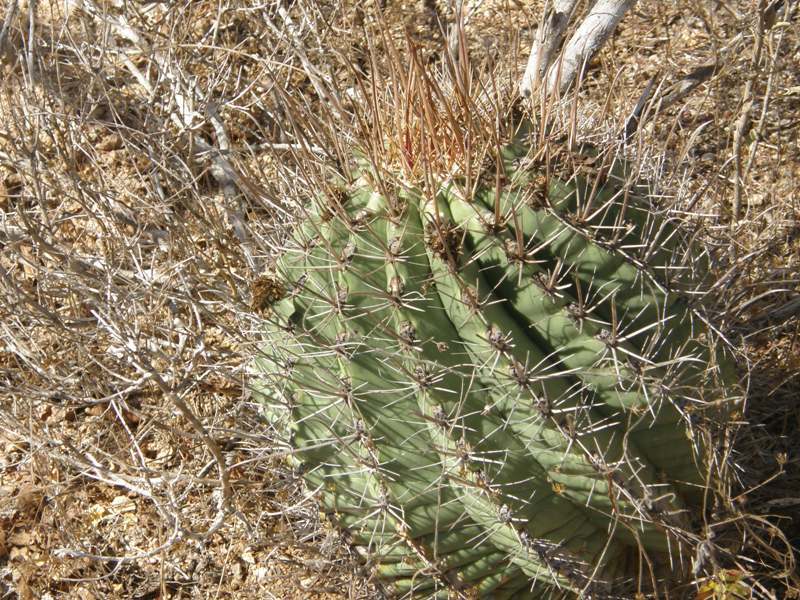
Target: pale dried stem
{"x":554,"y":75}
{"x":743,"y":122}
{"x":770,"y":15}
{"x":593,"y":32}
{"x":11,"y":12}
{"x":549,"y":37}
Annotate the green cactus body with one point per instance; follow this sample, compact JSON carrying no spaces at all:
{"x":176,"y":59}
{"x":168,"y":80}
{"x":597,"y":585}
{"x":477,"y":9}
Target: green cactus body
{"x":486,"y":394}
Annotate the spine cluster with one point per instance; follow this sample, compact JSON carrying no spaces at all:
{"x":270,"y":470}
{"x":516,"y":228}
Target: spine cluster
{"x":489,"y":386}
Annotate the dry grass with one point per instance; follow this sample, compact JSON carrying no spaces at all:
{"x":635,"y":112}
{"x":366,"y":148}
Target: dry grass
{"x":151,"y":158}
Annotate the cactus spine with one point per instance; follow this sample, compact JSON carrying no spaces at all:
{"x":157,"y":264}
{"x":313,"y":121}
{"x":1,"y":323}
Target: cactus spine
{"x":488,"y":385}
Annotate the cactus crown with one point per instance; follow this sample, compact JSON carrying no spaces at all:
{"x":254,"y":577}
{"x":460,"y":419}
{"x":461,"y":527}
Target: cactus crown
{"x":491,"y":359}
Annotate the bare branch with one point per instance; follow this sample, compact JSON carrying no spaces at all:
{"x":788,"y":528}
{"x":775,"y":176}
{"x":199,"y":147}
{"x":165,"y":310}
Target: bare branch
{"x":594,"y":30}
{"x":549,"y":37}
{"x":11,"y":12}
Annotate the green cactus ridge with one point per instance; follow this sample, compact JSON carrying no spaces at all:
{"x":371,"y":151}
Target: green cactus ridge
{"x":490,"y":392}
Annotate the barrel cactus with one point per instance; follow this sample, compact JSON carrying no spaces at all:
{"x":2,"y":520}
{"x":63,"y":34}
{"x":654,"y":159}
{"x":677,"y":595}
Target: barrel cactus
{"x":490,"y":383}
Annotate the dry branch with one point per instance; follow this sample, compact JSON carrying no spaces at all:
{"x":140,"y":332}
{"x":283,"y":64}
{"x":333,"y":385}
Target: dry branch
{"x":549,"y":37}
{"x":556,"y":75}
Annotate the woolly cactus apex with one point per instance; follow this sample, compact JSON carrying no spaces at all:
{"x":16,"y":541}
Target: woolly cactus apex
{"x":490,"y":386}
